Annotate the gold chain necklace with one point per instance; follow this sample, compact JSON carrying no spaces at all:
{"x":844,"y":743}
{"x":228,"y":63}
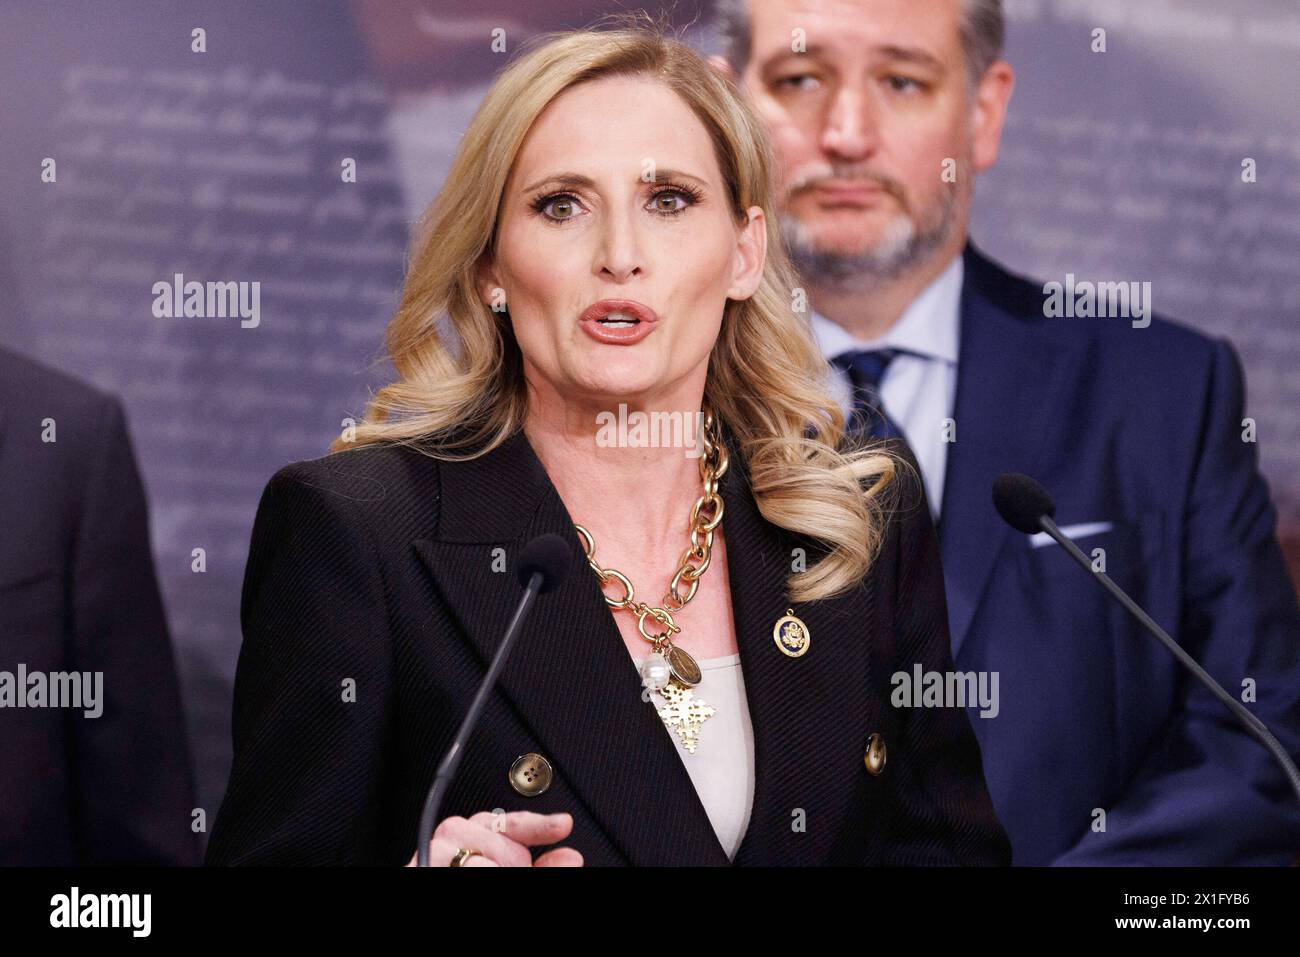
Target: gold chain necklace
{"x":668,"y":670}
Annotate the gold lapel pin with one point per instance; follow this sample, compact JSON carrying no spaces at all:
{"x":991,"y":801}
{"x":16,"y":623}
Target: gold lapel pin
{"x":791,"y":634}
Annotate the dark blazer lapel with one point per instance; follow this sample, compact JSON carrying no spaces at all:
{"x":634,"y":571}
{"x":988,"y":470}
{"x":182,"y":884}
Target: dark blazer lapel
{"x":1004,"y":377}
{"x":572,"y":681}
{"x":569,"y":677}
{"x":815,"y":706}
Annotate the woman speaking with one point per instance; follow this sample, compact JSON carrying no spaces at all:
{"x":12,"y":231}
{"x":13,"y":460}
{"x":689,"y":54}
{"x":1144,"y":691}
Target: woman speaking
{"x":710,"y":683}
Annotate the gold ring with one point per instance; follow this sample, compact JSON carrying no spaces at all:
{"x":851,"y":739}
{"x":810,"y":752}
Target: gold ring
{"x":463,"y":855}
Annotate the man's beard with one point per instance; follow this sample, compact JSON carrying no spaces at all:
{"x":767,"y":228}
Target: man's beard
{"x":902,"y":248}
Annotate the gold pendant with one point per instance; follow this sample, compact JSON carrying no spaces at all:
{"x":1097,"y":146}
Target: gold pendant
{"x":682,"y":665}
{"x":684,"y":713}
{"x":791,"y":634}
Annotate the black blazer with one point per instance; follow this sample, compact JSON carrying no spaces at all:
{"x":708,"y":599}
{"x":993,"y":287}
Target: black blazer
{"x":78,"y":593}
{"x":376,"y":569}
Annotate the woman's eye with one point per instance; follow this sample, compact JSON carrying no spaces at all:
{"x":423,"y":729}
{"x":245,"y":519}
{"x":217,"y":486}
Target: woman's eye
{"x":668,"y":202}
{"x":559,"y":208}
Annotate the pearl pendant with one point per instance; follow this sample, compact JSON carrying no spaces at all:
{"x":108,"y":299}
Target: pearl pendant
{"x":655,"y":671}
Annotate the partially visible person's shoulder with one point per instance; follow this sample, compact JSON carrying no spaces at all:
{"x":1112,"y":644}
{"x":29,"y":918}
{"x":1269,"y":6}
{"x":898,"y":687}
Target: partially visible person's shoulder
{"x":63,"y":434}
{"x":29,"y":385}
{"x":378,"y":482}
{"x":1164,"y":342}
{"x":361,"y":473}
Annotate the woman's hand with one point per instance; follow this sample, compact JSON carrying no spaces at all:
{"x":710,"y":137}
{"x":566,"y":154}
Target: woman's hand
{"x":503,"y":840}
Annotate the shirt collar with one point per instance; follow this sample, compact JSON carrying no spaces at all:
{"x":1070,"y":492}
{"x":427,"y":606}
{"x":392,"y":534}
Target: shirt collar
{"x":927,"y":327}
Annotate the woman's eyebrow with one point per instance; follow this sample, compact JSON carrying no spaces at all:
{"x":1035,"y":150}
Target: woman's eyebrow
{"x":575,"y":180}
{"x":667,"y":175}
{"x":579,"y":181}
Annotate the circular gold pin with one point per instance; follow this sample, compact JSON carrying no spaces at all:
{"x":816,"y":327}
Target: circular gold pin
{"x":791,"y":634}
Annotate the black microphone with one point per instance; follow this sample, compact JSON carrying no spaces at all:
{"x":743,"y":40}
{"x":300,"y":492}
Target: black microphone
{"x":1027,"y":507}
{"x":541,"y":566}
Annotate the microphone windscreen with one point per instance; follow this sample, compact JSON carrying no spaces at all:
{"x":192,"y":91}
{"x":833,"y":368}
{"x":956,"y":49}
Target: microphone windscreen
{"x":1021,"y":502}
{"x":548,"y":554}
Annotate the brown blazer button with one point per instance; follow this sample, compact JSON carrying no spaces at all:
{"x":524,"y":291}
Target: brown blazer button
{"x":875,"y":757}
{"x":530,"y":775}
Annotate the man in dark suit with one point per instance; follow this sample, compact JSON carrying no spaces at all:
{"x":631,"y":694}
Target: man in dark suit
{"x":1102,"y":750}
{"x":106,"y":780}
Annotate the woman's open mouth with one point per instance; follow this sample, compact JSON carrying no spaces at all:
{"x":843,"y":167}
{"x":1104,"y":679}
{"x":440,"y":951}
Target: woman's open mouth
{"x":618,"y":322}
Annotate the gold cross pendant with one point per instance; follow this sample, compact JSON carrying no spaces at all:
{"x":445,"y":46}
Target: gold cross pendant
{"x":684,"y":713}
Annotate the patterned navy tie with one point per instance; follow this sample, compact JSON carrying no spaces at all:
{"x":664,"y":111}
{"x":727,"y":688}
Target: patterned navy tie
{"x":865,"y":367}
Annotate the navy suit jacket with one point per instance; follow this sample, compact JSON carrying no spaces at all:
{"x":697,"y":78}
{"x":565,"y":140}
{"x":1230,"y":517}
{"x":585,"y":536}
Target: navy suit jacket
{"x":1137,"y":432}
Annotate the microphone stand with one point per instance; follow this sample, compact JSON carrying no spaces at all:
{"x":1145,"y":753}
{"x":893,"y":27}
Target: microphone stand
{"x":447,"y":769}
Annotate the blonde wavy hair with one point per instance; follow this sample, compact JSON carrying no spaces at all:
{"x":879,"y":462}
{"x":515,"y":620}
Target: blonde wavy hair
{"x":461,"y":389}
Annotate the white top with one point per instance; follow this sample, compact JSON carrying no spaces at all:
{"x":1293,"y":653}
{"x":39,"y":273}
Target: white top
{"x":920,"y":385}
{"x":722,"y":766}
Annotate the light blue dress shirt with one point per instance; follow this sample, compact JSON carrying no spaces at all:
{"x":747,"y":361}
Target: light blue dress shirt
{"x":919,"y":387}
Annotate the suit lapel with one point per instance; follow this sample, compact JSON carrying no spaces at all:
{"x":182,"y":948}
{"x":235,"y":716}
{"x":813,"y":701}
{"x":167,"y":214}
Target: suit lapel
{"x":1004,"y":374}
